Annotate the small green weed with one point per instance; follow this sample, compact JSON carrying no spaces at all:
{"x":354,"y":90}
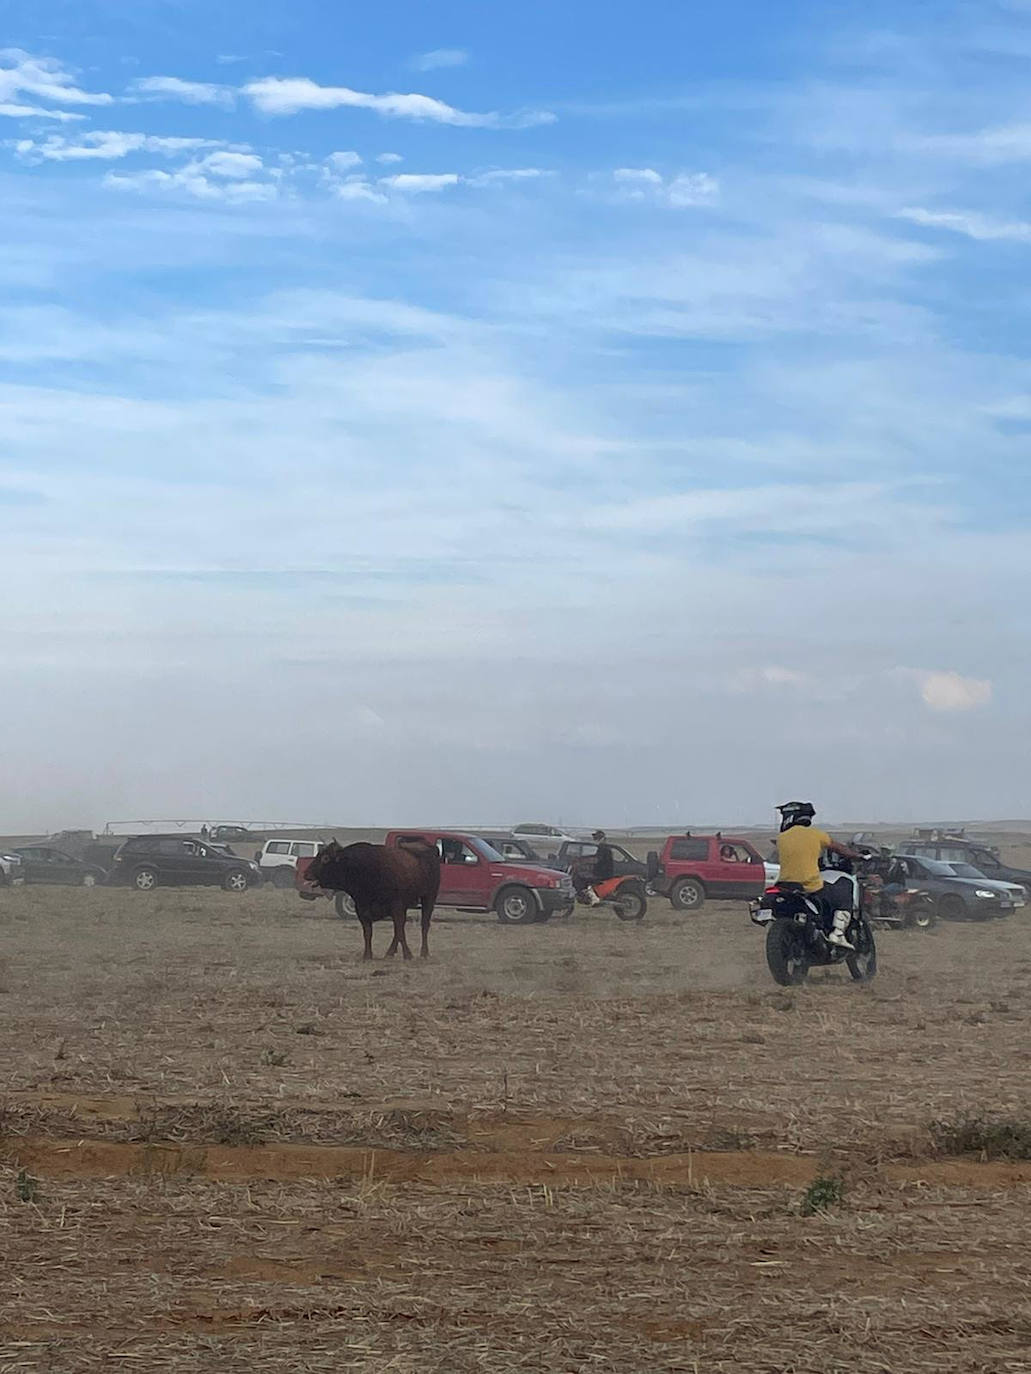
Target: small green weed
{"x":26,"y":1187}
{"x":825,"y":1191}
{"x":1002,"y":1138}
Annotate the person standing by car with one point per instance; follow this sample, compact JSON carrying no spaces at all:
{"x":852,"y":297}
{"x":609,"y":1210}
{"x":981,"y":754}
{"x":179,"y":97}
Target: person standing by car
{"x":800,"y":845}
{"x":603,"y":867}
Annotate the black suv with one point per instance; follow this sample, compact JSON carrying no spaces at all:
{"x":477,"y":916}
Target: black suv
{"x":149,"y":861}
{"x":959,"y":851}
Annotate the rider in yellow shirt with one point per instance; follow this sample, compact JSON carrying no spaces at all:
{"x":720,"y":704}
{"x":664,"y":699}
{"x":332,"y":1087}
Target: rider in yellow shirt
{"x":799,"y":847}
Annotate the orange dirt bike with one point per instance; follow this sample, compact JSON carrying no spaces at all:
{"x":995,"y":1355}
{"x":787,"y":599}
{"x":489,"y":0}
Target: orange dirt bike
{"x":626,"y":896}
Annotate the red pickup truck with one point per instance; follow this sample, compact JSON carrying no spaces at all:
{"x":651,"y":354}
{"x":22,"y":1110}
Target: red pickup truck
{"x":475,"y":877}
{"x":694,"y":867}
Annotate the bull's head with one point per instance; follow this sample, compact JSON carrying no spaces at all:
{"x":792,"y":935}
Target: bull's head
{"x":321,"y":867}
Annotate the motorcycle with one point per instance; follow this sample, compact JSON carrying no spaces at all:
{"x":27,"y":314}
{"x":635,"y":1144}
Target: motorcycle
{"x":626,"y":896}
{"x":796,"y":935}
{"x":897,"y":908}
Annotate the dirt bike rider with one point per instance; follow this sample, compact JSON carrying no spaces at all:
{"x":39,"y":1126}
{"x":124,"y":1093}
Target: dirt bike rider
{"x":799,"y":847}
{"x":603,"y":867}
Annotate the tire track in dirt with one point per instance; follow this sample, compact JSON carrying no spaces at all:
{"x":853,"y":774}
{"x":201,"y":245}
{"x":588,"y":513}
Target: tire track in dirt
{"x":81,"y":1159}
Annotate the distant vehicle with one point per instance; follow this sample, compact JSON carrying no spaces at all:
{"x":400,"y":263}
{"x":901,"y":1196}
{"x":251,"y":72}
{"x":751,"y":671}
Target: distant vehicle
{"x":277,"y":859}
{"x":544,"y":838}
{"x":11,"y":874}
{"x":148,"y":861}
{"x":694,"y":868}
{"x":511,"y":847}
{"x":959,"y":896}
{"x":959,"y":850}
{"x":230,"y":832}
{"x":574,"y":853}
{"x":42,"y":864}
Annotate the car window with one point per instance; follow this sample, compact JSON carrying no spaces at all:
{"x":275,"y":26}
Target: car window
{"x":985,"y":859}
{"x":170,"y":846}
{"x":689,"y":848}
{"x":951,"y":854}
{"x":734,"y":853}
{"x":278,"y":847}
{"x":304,"y":849}
{"x":458,"y":852}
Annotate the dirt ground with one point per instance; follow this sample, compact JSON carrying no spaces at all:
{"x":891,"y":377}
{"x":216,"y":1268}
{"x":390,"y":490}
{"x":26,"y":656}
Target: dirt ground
{"x":227,"y":1144}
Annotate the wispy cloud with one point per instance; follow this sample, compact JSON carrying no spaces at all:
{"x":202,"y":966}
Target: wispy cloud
{"x":679,"y":191}
{"x":44,"y":79}
{"x":104,"y":145}
{"x":969,"y":223}
{"x":275,"y":95}
{"x":8,"y":110}
{"x":416,"y":183}
{"x":343,"y":161}
{"x":189,"y":92}
{"x":440,"y":57}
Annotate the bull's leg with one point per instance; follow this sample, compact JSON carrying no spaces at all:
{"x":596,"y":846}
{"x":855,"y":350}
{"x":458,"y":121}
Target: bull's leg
{"x":427,"y":916}
{"x":400,"y":914}
{"x":366,"y":920}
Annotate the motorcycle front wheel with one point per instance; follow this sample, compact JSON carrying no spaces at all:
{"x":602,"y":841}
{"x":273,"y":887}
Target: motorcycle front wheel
{"x":863,"y":963}
{"x":785,"y":953}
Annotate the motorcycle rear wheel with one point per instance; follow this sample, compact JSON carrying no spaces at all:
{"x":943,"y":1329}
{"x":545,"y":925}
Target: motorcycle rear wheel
{"x":785,"y":953}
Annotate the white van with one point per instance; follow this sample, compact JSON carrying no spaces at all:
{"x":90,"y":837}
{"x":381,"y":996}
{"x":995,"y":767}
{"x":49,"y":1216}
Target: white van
{"x":277,"y":859}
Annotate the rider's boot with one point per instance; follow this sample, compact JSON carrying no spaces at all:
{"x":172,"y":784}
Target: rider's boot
{"x":593,"y":897}
{"x":837,"y":935}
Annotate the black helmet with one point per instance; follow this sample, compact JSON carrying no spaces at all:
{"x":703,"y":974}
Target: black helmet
{"x":796,"y":813}
{"x":598,"y":835}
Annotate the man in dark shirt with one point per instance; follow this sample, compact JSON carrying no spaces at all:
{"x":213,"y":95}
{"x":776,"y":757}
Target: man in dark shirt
{"x":603,"y":867}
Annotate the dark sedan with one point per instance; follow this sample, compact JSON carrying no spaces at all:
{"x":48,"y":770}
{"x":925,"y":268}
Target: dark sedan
{"x":958,"y":896}
{"x":41,"y":864}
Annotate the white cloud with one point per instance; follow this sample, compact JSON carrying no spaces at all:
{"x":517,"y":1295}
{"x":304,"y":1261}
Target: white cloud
{"x":973,"y":225}
{"x":949,"y":691}
{"x":234,"y":166}
{"x":194,"y":180}
{"x":440,"y":57}
{"x":686,"y":189}
{"x":501,"y":175}
{"x":23,"y":74}
{"x":189,"y":92}
{"x":274,"y":95}
{"x":388,"y":158}
{"x":343,"y":162}
{"x":14,"y":111}
{"x":104,"y":145}
{"x":357,"y":188}
{"x":418,"y":182}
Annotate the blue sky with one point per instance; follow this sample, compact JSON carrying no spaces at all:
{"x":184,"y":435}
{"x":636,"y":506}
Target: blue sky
{"x":469,"y":412}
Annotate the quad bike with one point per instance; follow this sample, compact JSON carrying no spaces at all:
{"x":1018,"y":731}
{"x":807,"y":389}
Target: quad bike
{"x":796,"y":934}
{"x":626,"y":896}
{"x":896,"y":907}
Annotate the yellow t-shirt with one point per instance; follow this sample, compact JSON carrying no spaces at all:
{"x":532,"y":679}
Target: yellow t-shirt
{"x":799,"y":852}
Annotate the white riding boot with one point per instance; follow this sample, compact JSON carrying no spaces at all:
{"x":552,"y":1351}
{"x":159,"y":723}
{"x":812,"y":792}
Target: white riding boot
{"x":842,"y":920}
{"x":593,"y":897}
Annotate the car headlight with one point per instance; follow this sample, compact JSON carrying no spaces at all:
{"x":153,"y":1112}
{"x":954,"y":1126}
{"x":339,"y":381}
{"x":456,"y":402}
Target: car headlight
{"x":981,"y":892}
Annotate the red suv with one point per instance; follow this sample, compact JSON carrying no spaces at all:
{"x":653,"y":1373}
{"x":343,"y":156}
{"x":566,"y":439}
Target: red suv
{"x":694,"y":867}
{"x":475,"y":877}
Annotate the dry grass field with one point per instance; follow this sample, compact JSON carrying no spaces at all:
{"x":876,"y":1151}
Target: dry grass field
{"x":226,"y":1144}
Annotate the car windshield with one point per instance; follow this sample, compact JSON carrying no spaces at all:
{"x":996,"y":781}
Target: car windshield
{"x":938,"y":868}
{"x":966,"y":871}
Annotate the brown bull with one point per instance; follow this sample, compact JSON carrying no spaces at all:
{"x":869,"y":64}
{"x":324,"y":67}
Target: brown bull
{"x":384,"y":882}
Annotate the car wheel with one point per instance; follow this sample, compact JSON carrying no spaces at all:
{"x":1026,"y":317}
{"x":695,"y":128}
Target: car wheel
{"x":343,"y":905}
{"x":145,"y":880}
{"x":687,"y":895}
{"x":516,"y":906}
{"x":951,"y":907}
{"x":235,"y":881}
